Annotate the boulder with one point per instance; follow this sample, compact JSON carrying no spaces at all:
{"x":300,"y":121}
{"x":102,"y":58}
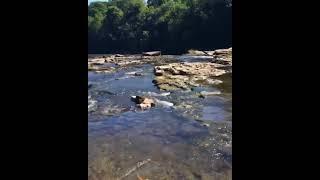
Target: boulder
{"x":143,"y":102}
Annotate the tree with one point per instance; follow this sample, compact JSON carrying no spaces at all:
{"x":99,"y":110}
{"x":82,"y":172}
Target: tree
{"x":157,"y":3}
{"x":172,"y":26}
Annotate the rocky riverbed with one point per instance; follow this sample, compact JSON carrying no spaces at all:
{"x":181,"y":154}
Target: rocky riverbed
{"x":160,"y":117}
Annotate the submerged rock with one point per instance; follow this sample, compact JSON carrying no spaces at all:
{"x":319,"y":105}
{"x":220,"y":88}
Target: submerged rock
{"x":203,"y":94}
{"x":131,"y":73}
{"x":135,"y":73}
{"x":113,"y":110}
{"x":165,"y":94}
{"x":92,"y":104}
{"x":184,"y":105}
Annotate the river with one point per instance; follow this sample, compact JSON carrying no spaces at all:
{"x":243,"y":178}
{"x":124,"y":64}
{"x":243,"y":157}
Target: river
{"x":191,"y":140}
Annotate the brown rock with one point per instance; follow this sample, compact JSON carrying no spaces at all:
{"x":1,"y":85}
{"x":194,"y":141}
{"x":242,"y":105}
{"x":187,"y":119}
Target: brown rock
{"x":144,"y":106}
{"x":182,"y":76}
{"x":143,"y":102}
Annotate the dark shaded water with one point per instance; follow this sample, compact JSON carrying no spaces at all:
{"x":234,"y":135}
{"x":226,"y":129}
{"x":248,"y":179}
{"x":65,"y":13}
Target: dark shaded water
{"x":192,"y":140}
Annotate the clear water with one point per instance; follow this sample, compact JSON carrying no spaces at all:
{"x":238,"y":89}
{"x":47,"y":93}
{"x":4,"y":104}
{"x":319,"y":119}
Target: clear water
{"x":193,"y":140}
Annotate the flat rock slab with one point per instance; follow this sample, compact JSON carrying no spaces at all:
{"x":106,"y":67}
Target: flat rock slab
{"x":185,"y":75}
{"x":114,"y":62}
{"x":220,"y":56}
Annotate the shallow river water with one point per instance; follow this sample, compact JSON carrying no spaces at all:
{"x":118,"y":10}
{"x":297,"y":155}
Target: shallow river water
{"x":191,"y":140}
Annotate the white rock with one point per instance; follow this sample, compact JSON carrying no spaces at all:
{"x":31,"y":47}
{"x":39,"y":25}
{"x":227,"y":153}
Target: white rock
{"x":92,"y":104}
{"x":205,"y":93}
{"x":164,"y":103}
{"x":156,"y":94}
{"x":165,"y":94}
{"x":214,"y":82}
{"x":133,"y":73}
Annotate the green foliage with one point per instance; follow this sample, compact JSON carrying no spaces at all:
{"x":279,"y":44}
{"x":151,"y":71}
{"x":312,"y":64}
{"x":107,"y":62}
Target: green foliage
{"x":168,"y":25}
{"x":157,"y":3}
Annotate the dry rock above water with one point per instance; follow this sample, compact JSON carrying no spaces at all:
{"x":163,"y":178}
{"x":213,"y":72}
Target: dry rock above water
{"x":185,"y":75}
{"x":146,"y":102}
{"x":113,"y":62}
{"x":221,"y":56}
{"x":143,"y":102}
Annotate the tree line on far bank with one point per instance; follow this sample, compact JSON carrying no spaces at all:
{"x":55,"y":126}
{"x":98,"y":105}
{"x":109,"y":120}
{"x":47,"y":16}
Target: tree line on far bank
{"x":172,"y":26}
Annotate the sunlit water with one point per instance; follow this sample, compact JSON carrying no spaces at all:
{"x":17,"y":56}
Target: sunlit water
{"x":174,"y":143}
